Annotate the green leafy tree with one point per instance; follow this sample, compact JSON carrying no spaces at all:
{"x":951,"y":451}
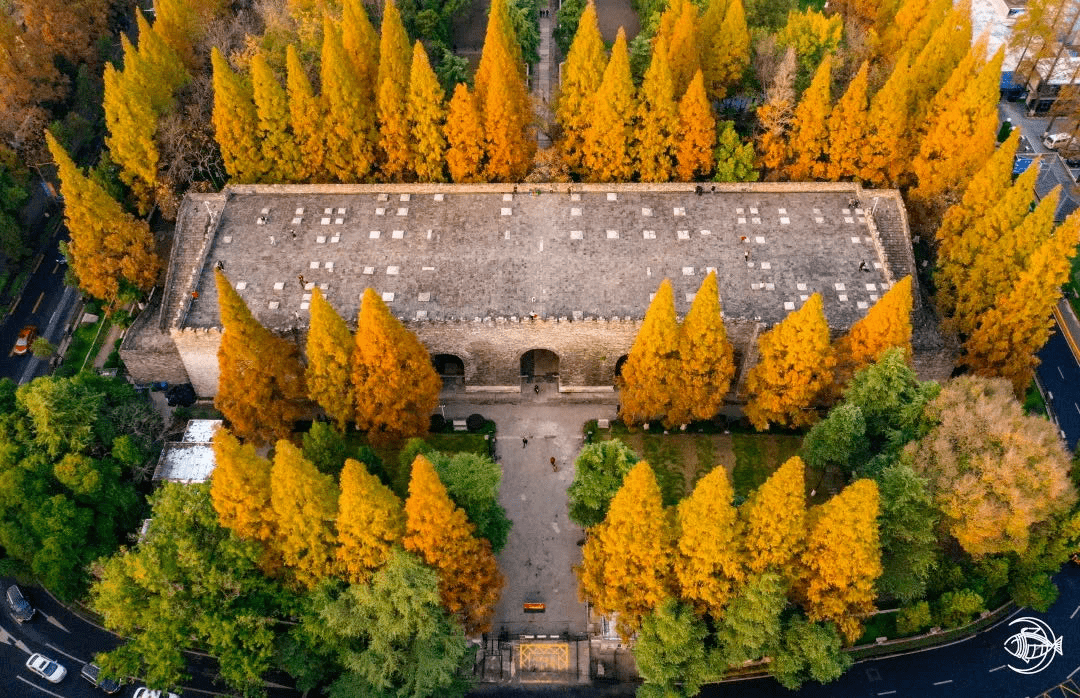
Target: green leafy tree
{"x":472,"y":481}
{"x":599,"y":471}
{"x":670,"y":651}
{"x":808,"y":651}
{"x":391,"y":636}
{"x":909,"y":544}
{"x":188,"y":581}
{"x":750,"y":627}
{"x":839,"y":440}
{"x":734,"y":159}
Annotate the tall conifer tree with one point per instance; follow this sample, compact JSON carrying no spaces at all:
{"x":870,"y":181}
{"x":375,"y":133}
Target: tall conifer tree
{"x":960,"y":133}
{"x":348,"y":124}
{"x":648,"y":377}
{"x":505,"y":134}
{"x":108,"y":245}
{"x":582,"y":75}
{"x":842,"y":559}
{"x":887,"y":152}
{"x":886,"y":325}
{"x":684,"y":49}
{"x":305,"y":505}
{"x":393,"y":89}
{"x":794,"y":366}
{"x":510,"y":144}
{"x":329,"y":354}
{"x":935,"y":61}
{"x":361,"y":45}
{"x":236,"y":123}
{"x":849,"y":130}
{"x":272,"y":105}
{"x":953,"y":278}
{"x":725,"y":46}
{"x":987,"y":185}
{"x":697,"y":132}
{"x":627,"y":560}
{"x":464,"y":137}
{"x":1009,"y":334}
{"x":261,"y":383}
{"x":131,"y":123}
{"x":708,"y":563}
{"x":307,"y":117}
{"x":426,"y":113}
{"x":240,"y":489}
{"x":370,"y":522}
{"x":774,"y":520}
{"x":606,"y":151}
{"x":809,"y":130}
{"x":439,"y":531}
{"x":657,"y":120}
{"x":706,"y":358}
{"x":395,"y":386}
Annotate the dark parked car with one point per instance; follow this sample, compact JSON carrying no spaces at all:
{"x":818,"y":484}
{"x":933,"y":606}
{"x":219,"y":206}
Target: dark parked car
{"x":20,"y":607}
{"x":92,"y":673}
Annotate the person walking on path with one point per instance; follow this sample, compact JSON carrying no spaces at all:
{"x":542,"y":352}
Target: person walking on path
{"x":554,"y":468}
{"x":536,"y":388}
{"x":524,"y":441}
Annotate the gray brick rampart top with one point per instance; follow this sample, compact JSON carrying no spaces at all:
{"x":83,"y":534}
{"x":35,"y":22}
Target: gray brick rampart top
{"x":451,"y":253}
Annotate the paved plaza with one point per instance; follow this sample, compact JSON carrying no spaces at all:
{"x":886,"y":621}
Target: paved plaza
{"x":543,"y":544}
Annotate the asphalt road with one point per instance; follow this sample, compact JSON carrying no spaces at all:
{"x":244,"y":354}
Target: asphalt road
{"x":46,"y":303}
{"x":68,"y":639}
{"x":1059,"y":375}
{"x":976,"y":667}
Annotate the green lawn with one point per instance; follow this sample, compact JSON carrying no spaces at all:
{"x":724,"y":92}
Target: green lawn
{"x":86,"y":340}
{"x":680,"y":459}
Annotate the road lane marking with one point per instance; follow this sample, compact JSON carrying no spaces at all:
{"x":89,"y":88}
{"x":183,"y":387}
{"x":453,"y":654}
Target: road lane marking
{"x":38,"y":303}
{"x":1073,"y":672}
{"x":34,"y":685}
{"x":9,"y":639}
{"x":1073,"y":614}
{"x":69,"y":656}
{"x":56,"y":623}
{"x":1060,"y":373}
{"x":997,"y":668}
{"x":942,"y":683}
{"x":55,"y":268}
{"x":886,"y":693}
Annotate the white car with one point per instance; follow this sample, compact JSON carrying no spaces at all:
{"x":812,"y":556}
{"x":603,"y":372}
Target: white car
{"x":152,"y":693}
{"x":46,"y":668}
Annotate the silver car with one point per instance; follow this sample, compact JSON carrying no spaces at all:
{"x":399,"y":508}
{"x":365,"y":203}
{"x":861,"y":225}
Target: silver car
{"x":46,"y":668}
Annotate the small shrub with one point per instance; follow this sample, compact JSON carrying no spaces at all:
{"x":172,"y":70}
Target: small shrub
{"x":475,"y":422}
{"x":955,"y":608}
{"x":914,"y":619}
{"x":437,"y":423}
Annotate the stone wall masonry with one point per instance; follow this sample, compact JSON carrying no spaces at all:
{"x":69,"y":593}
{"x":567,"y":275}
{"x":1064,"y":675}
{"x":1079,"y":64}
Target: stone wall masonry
{"x":551,"y":187}
{"x":148,"y":353}
{"x":588,"y":350}
{"x":198,"y":349}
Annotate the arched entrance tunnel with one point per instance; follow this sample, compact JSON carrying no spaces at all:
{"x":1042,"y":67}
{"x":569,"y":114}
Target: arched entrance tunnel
{"x":540,"y":364}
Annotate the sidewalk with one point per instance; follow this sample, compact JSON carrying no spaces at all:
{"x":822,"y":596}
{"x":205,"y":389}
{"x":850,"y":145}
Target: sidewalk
{"x":107,"y":347}
{"x":1070,"y":326}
